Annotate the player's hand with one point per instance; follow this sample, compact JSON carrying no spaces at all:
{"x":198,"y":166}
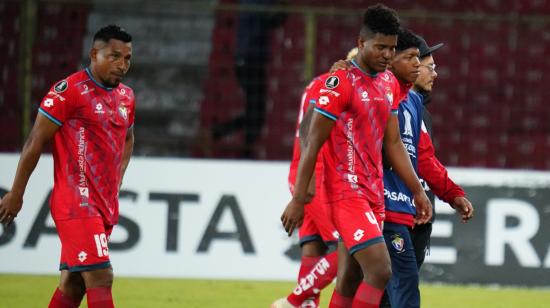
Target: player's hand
{"x":10,"y":206}
{"x":340,"y":65}
{"x":423,"y":208}
{"x":293,"y":216}
{"x":464,"y":207}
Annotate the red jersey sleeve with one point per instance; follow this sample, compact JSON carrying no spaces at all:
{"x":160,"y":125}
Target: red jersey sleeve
{"x":433,"y":172}
{"x":334,"y":95}
{"x":58,"y":104}
{"x":311,"y":94}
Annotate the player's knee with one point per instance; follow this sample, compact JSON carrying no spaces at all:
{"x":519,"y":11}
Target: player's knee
{"x":72,"y":286}
{"x":313,"y":249}
{"x":385,"y":274}
{"x":379,"y":275}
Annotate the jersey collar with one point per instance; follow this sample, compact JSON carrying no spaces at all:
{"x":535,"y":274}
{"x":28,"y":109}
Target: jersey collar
{"x":95,"y":81}
{"x":366,"y":73}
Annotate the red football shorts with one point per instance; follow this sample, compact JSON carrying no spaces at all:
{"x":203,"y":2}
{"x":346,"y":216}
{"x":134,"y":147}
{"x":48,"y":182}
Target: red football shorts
{"x":84,"y":244}
{"x":317,"y":223}
{"x":357,"y":225}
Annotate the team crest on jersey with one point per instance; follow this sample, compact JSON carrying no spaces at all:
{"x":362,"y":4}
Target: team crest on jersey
{"x":123,"y":112}
{"x":332,"y":82}
{"x":61,"y":86}
{"x":398,"y":243}
{"x":389,"y":96}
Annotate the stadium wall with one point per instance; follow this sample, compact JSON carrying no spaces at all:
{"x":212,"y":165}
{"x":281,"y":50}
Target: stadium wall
{"x":220,"y":220}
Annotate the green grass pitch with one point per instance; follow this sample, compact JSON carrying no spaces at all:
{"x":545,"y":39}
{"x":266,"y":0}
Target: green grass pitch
{"x":27,"y":291}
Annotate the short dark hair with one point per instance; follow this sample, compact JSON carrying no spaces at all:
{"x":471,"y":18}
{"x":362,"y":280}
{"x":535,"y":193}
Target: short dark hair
{"x":380,"y":19}
{"x":112,"y":32}
{"x":406,"y":39}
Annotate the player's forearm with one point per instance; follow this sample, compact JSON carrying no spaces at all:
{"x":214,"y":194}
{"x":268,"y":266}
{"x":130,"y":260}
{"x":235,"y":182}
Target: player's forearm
{"x":401,"y":164}
{"x":303,"y":129}
{"x":305,"y":172}
{"x":27,"y":162}
{"x":437,"y":178}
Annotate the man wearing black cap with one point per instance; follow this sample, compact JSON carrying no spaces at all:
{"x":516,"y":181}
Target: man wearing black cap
{"x":407,"y":246}
{"x":423,"y":85}
{"x":430,"y":169}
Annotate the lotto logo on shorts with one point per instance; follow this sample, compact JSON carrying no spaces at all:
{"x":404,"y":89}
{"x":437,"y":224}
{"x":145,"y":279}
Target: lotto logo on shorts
{"x":82,"y":256}
{"x":358,"y":235}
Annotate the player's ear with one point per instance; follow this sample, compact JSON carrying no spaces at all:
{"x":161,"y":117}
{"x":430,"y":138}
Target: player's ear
{"x":360,"y":42}
{"x":93,"y":54}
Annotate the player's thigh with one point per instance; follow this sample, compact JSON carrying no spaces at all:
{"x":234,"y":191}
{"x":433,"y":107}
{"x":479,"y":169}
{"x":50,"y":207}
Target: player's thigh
{"x":98,"y":278}
{"x":72,"y":284}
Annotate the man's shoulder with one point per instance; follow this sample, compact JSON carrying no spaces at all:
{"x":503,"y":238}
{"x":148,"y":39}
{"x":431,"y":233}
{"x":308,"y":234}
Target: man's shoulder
{"x":68,"y":83}
{"x":415,"y":98}
{"x":338,"y":80}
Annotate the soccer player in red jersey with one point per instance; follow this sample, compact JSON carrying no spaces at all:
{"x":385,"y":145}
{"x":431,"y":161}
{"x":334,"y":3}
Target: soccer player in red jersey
{"x":355,"y":115}
{"x":317,"y":233}
{"x":90,"y":116}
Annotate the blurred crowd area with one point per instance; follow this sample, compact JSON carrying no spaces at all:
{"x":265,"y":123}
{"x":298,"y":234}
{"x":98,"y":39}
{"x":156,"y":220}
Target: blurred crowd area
{"x":223,"y":79}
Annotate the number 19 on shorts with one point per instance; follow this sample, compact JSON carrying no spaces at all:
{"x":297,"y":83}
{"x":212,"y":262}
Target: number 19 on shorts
{"x":101,"y":245}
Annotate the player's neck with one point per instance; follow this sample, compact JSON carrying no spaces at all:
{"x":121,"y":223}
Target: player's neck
{"x":363,"y":67}
{"x":96,"y":79}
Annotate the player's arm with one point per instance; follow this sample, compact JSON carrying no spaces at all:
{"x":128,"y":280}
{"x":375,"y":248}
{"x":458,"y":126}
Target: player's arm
{"x":401,"y":164}
{"x":437,"y":177}
{"x":319,"y":131}
{"x":128,"y":149}
{"x":303,"y":130}
{"x":42,"y":132}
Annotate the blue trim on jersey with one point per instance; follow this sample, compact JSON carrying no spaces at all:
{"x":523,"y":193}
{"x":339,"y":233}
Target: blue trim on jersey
{"x":326,"y":113}
{"x":56,"y":121}
{"x":95,"y":81}
{"x":63,"y":266}
{"x":312,"y":101}
{"x":366,"y":244}
{"x":92,"y":267}
{"x":395,"y":111}
{"x":357,"y":65}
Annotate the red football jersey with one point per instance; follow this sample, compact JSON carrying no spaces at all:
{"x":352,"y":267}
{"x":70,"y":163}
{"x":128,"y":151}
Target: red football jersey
{"x":360,"y":104}
{"x":310,"y":95}
{"x":88,"y":146}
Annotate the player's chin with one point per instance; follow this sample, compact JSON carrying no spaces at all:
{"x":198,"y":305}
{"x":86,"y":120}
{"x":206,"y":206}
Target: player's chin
{"x":114,"y":82}
{"x":412,"y":78}
{"x":381,"y":66}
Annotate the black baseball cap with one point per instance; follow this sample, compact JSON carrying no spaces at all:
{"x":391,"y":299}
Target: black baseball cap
{"x":426,"y":50}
